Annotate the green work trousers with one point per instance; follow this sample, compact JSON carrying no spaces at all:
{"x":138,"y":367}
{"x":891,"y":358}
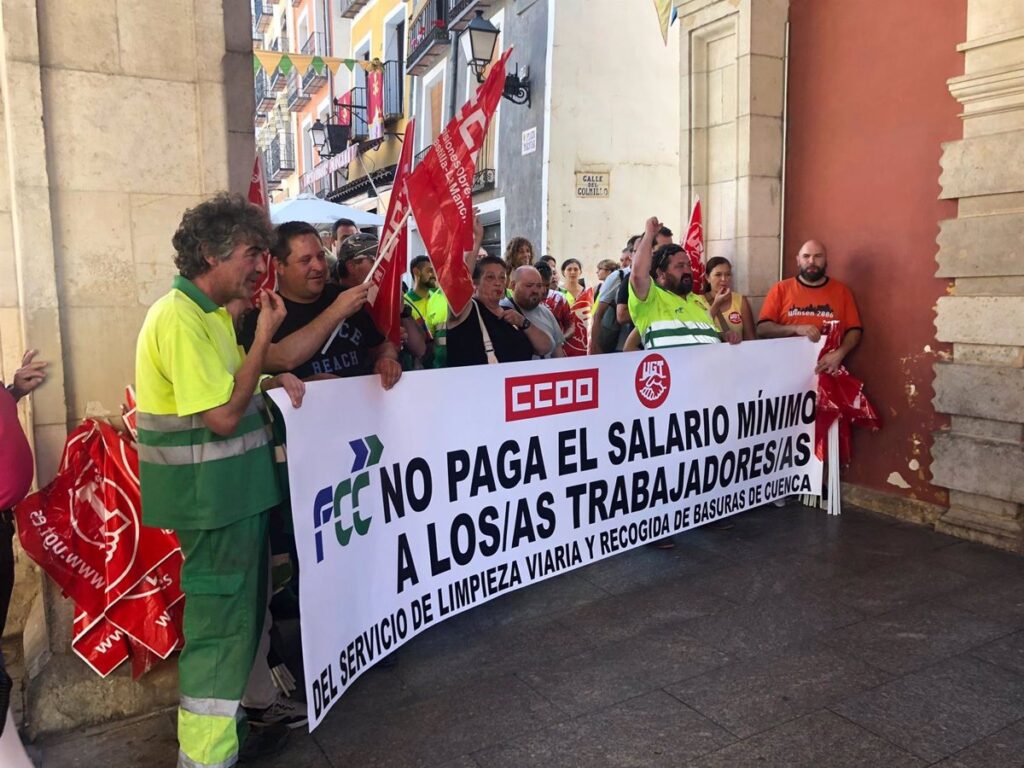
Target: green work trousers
{"x":224,"y":578}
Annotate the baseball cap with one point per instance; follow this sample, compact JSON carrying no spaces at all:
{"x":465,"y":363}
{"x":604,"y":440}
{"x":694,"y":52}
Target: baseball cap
{"x":359,"y":244}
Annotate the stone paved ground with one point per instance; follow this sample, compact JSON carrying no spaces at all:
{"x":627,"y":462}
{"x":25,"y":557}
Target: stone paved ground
{"x":791,"y":639}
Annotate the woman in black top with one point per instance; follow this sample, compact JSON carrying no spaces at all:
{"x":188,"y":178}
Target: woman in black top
{"x":512,"y":336}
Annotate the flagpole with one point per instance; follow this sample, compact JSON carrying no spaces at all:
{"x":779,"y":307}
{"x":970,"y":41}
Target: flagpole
{"x":383,"y":251}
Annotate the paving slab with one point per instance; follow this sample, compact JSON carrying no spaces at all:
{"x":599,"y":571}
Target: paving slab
{"x":942,"y":709}
{"x":751,"y":696}
{"x":813,"y":741}
{"x":1003,"y":749}
{"x":650,"y":730}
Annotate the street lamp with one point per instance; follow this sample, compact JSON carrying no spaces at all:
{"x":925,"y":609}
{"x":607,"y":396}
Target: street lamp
{"x":329,"y":139}
{"x":483,"y":38}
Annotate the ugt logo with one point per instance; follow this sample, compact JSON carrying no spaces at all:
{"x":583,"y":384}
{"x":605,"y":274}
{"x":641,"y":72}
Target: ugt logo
{"x":331,"y":503}
{"x":653,"y":380}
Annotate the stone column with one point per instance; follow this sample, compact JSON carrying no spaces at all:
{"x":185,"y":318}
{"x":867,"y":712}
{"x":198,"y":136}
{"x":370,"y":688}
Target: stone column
{"x":980,"y":459}
{"x":732,"y":65}
{"x":117,"y":115}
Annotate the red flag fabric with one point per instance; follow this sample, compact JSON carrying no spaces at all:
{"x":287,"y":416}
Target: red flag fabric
{"x":693,"y":244}
{"x":385,"y":297}
{"x":85,"y":530}
{"x":579,"y":342}
{"x":345,"y":108}
{"x":840,"y":396}
{"x":375,"y":97}
{"x":258,"y":196}
{"x":441,"y":188}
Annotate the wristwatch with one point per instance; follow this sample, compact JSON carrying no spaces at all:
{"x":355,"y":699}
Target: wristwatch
{"x":526,"y":324}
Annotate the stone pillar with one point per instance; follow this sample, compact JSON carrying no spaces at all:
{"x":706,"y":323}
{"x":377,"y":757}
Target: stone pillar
{"x":732,"y":65}
{"x":116,"y":117}
{"x":981,"y":458}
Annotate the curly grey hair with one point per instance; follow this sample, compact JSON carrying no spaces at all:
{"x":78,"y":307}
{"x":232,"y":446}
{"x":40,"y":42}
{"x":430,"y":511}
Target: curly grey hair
{"x":213,"y":229}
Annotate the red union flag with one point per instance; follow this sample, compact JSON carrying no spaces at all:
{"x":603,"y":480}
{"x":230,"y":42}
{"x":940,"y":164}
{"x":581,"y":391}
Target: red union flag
{"x":693,"y":244}
{"x":384,"y":299}
{"x":258,"y":196}
{"x":441,"y":188}
{"x":85,"y":530}
{"x":577,"y":344}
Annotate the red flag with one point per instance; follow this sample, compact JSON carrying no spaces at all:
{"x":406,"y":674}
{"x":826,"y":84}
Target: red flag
{"x":375,"y":97}
{"x":693,"y":244}
{"x":579,"y":342}
{"x":345,"y":108}
{"x":441,"y":188}
{"x":840,"y":397}
{"x":85,"y":530}
{"x":385,"y":297}
{"x":258,"y":196}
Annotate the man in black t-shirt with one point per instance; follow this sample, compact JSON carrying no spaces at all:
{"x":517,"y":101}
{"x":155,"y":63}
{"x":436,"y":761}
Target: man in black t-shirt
{"x":315,"y":308}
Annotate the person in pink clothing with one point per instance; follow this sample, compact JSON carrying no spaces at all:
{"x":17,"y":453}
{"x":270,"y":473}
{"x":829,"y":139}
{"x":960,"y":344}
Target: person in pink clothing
{"x":15,"y":481}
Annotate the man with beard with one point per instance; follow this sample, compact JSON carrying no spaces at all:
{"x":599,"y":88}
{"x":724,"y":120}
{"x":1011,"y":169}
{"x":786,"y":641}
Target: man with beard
{"x":528,"y":290}
{"x":665,"y":309}
{"x":428,"y":306}
{"x":801,"y":305}
{"x":315,"y":308}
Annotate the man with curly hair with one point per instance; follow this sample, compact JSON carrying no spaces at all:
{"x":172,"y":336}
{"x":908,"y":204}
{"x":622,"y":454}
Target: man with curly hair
{"x":207,"y":468}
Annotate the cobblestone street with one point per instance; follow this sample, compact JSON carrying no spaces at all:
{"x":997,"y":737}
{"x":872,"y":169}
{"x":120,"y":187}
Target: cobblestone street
{"x":782,"y":638}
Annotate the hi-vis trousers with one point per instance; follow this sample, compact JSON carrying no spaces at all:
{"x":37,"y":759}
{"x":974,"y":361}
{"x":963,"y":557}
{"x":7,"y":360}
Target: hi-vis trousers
{"x":224,"y":578}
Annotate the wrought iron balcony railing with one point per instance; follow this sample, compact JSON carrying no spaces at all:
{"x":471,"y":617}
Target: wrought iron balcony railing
{"x":262,"y":15}
{"x":350,"y":8}
{"x":394,"y":84}
{"x":281,"y":159}
{"x":485,"y":178}
{"x":458,"y":13}
{"x":428,"y":37}
{"x":360,"y":130}
{"x":265,"y":98}
{"x":315,"y":45}
{"x":297,"y":97}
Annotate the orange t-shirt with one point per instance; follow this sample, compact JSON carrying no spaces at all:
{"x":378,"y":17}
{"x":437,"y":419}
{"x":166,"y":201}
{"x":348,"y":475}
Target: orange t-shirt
{"x":791,"y":302}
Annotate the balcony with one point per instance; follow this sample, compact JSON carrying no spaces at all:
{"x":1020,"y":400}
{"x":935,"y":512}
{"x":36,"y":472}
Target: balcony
{"x":277,"y":82}
{"x":313,"y":81}
{"x":350,"y":8}
{"x":297,"y":97}
{"x":265,"y":98}
{"x":428,"y":38}
{"x":280,"y":44}
{"x":360,"y":129}
{"x":315,"y":45}
{"x":260,"y":119}
{"x":484,"y":178}
{"x":393,"y":95}
{"x":459,"y":13}
{"x":281,"y":157}
{"x":262,"y":15}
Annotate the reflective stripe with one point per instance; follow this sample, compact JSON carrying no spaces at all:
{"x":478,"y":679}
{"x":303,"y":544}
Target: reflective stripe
{"x":682,"y":340}
{"x":184,"y":761}
{"x":169,"y":422}
{"x":218,"y":707}
{"x":179,"y":455}
{"x":670,"y":325}
{"x":209,"y":740}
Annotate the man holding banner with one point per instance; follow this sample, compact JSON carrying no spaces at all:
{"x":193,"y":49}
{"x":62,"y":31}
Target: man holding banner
{"x":207,"y":469}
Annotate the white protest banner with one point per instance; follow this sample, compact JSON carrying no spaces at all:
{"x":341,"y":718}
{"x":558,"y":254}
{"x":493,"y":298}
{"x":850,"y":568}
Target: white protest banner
{"x":459,"y":485}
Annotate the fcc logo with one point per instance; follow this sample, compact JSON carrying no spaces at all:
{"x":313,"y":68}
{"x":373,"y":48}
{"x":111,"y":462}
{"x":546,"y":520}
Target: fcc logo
{"x":527,"y":397}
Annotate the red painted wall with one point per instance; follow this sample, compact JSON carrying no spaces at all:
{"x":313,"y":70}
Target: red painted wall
{"x":868,"y":109}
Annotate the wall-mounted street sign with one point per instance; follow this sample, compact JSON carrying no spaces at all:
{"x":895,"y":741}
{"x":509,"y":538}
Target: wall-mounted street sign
{"x":529,"y":140}
{"x":593,"y":183}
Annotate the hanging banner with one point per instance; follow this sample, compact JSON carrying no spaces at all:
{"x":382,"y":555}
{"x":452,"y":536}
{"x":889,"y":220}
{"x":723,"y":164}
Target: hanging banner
{"x":375,"y":103}
{"x":542,"y":467}
{"x":441,"y":188}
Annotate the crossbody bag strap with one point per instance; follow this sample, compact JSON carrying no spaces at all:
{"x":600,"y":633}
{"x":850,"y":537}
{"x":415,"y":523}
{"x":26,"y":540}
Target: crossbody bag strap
{"x":492,"y":359}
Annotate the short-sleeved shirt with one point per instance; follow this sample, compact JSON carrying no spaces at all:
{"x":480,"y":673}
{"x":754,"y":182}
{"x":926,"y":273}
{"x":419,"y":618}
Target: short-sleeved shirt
{"x":542,"y":317}
{"x":610,"y":287}
{"x":466,"y":342}
{"x":665,"y":319}
{"x":793,"y":302}
{"x":349,"y":353}
{"x":185,"y":363}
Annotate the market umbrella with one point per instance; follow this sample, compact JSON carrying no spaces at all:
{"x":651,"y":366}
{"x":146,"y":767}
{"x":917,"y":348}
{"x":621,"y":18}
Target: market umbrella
{"x":320,"y":212}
